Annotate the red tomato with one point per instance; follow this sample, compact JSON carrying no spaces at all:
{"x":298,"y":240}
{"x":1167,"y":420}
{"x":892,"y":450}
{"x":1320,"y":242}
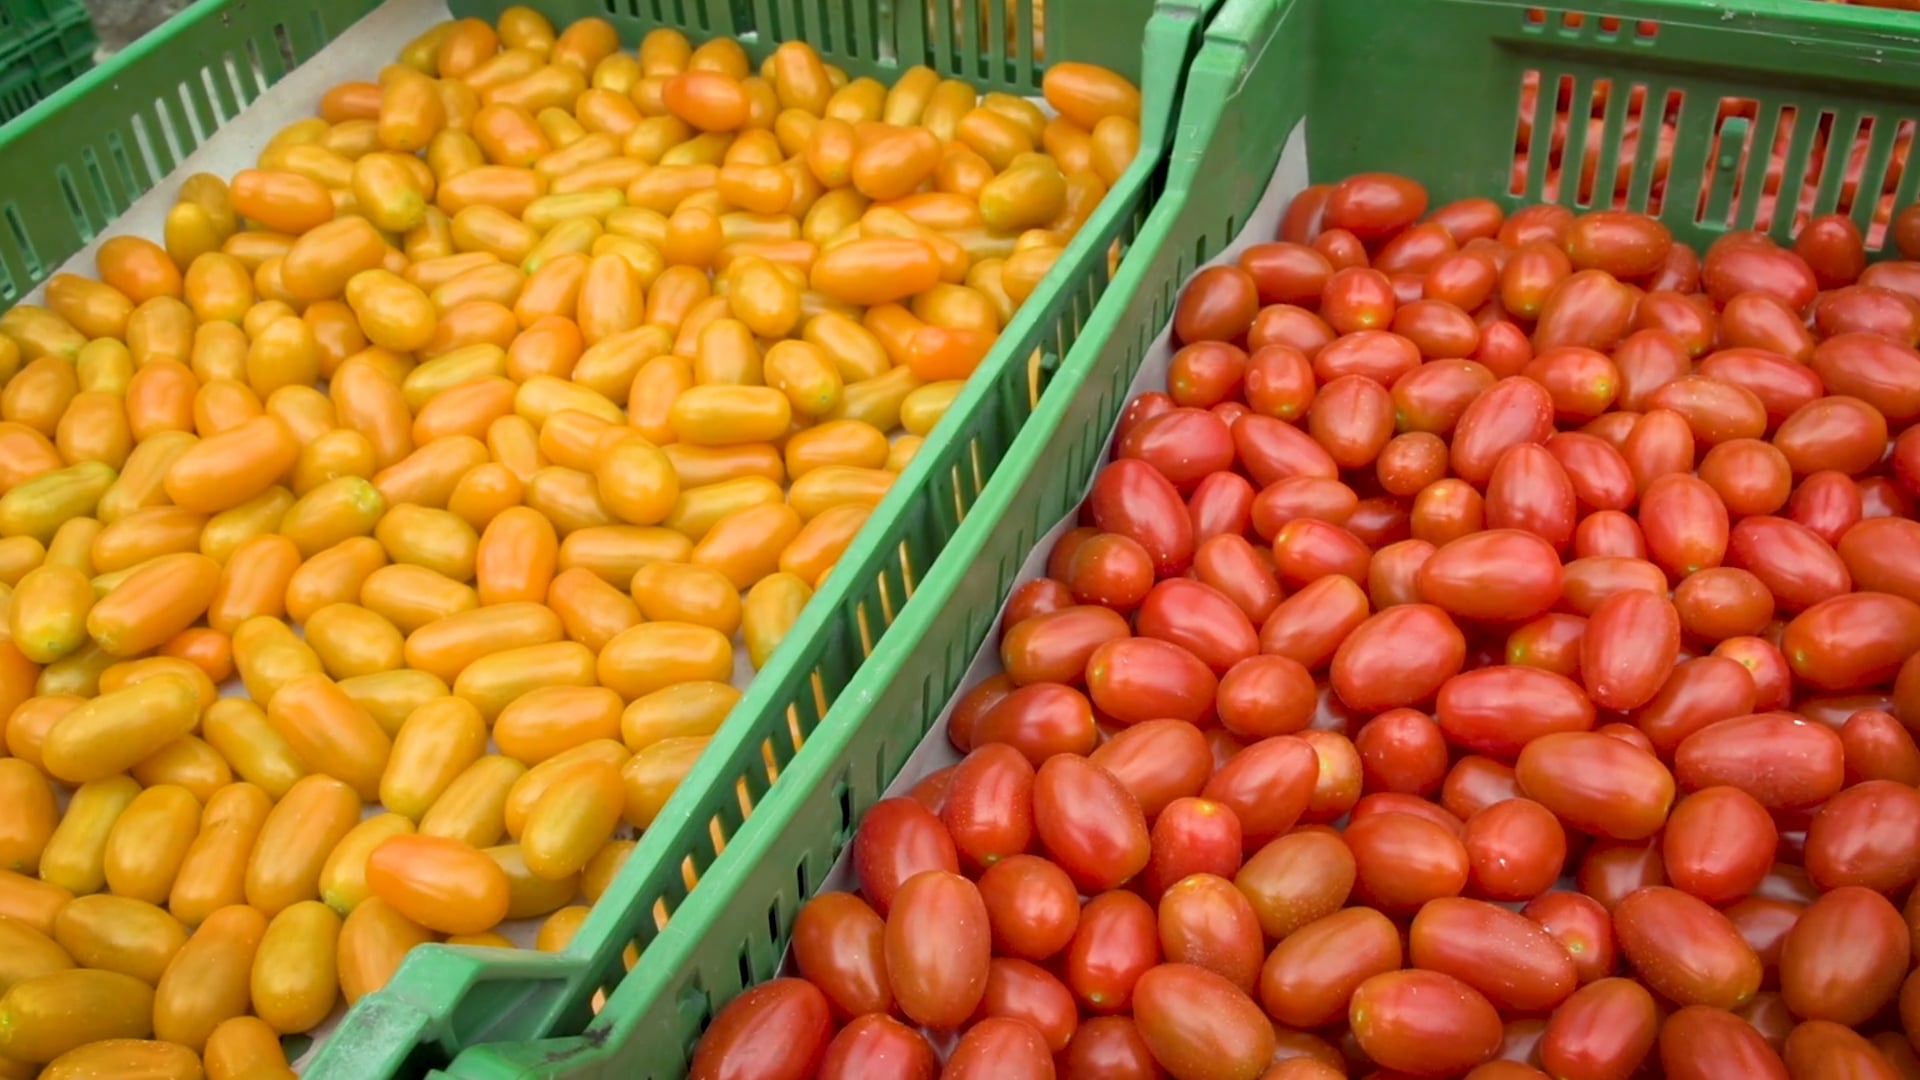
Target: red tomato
{"x":1660,"y":444}
{"x":1867,"y":835}
{"x":1829,"y":503}
{"x":1597,"y":784}
{"x":1265,"y":695}
{"x":1550,"y":642}
{"x":1758,"y":321}
{"x":1398,"y":657}
{"x":1511,"y":960}
{"x":1845,"y":958}
{"x":1133,"y":499}
{"x":1205,"y":373}
{"x":897,"y":839}
{"x":1878,"y":748}
{"x":1852,"y":642}
{"x":877,"y":1047}
{"x":1217,"y":304}
{"x":1232,"y":566}
{"x":1402,"y":861}
{"x":1475,"y":783}
{"x":1053,"y":647}
{"x":999,"y":1048}
{"x":1206,"y":922}
{"x":1772,"y":680}
{"x":1723,"y":602}
{"x":1834,"y":432}
{"x":1286,"y":273}
{"x":1221,"y":505}
{"x":1400,"y":750}
{"x":1606,"y":1029}
{"x":779,"y":1030}
{"x":1089,"y":823}
{"x":1499,"y":710}
{"x":1590,"y":308}
{"x":1273,"y":450}
{"x":1116,"y":942}
{"x":1157,"y":762}
{"x":1883,"y":555}
{"x":1268,"y":786}
{"x":1423,"y":1022}
{"x":1719,"y":844}
{"x":837,"y":945}
{"x":1511,"y":412}
{"x":1311,"y":975}
{"x":1185,"y":445}
{"x":1192,"y":836}
{"x":1032,"y":907}
{"x":1309,"y":626}
{"x":1296,"y":879}
{"x":1599,"y":474}
{"x":1018,"y":990}
{"x":1374,"y":206}
{"x":1699,"y":692}
{"x":1036,"y":597}
{"x":1302,"y":497}
{"x":1516,"y":850}
{"x":1199,"y":1026}
{"x":1685,"y":524}
{"x":1628,"y":649}
{"x":1108,"y":1048}
{"x":1305,"y":549}
{"x":1701,"y":1043}
{"x":1110,"y":570}
{"x":1778,"y":758}
{"x":1822,"y":1049}
{"x":938,"y":945}
{"x":1797,"y":567}
{"x":1201,"y":620}
{"x":1139,"y":679}
{"x":1582,"y":926}
{"x":972,"y":705}
{"x":989,"y":807}
{"x":1529,"y":491}
{"x":1684,"y":949}
{"x":1039,"y":721}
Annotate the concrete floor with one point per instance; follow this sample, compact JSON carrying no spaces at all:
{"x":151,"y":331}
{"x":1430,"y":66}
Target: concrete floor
{"x":119,"y":22}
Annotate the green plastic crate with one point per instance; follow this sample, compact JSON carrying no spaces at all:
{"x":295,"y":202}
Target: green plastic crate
{"x":43,"y":47}
{"x":85,"y":155}
{"x":1444,"y":109}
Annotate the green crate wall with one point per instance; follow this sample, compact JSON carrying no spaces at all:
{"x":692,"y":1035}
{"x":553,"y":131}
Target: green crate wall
{"x":1444,"y":108}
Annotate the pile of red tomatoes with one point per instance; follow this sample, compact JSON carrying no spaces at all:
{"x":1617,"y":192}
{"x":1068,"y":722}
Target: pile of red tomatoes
{"x":1491,"y":656}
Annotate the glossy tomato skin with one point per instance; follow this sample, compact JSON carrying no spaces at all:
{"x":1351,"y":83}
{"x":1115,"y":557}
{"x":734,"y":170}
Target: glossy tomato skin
{"x":1158,"y":762}
{"x":1053,"y":647}
{"x":1530,"y":491}
{"x":1134,"y":680}
{"x":1106,"y":1047}
{"x":1878,"y":748}
{"x":1300,"y":877}
{"x":1133,"y":499}
{"x":1582,"y":926}
{"x":1272,"y":450}
{"x":1374,"y":206}
{"x":1039,"y":720}
{"x":1686,"y":950}
{"x":1700,"y":692}
{"x":1032,"y":907}
{"x":1723,"y":602}
{"x":1867,"y":835}
{"x":1198,"y":1024}
{"x":1424,"y":1022}
{"x":1402,"y":750}
{"x":1852,"y":642}
{"x":1185,"y":445}
{"x":1701,"y":1043}
{"x":1309,"y":978}
{"x":1821,"y":1048}
{"x":1782,"y":760}
{"x":837,"y":945}
{"x":1108,"y":570}
{"x":1880,"y":554}
{"x":989,"y":807}
{"x":1606,"y":1029}
{"x":1200,"y":619}
{"x":999,"y":1047}
{"x":1402,"y":861}
{"x":779,"y":1029}
{"x":1231,"y":564}
{"x":896,"y":840}
{"x":876,"y":1047}
{"x":1506,"y":575}
{"x":1516,"y":850}
{"x":1089,"y":823}
{"x":1550,"y":642}
{"x":1597,"y":784}
{"x":1797,"y":567}
{"x":938,"y":944}
{"x":1498,"y":952}
{"x":1718,"y":844}
{"x":1685,"y":524}
{"x":1268,"y":786}
{"x":1628,"y":649}
{"x":1206,"y":922}
{"x":1217,"y":304}
{"x":1192,"y":836}
{"x":1845,"y":958}
{"x":1023,"y":991}
{"x":1398,"y":657}
{"x":1510,"y":412}
{"x":1498,"y":710}
{"x":1116,"y":941}
{"x":1266,"y":695}
{"x":1829,"y":503}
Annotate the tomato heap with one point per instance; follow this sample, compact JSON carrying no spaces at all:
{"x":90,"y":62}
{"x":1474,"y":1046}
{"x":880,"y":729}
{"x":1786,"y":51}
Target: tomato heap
{"x":1492,"y":655}
{"x":472,"y":434}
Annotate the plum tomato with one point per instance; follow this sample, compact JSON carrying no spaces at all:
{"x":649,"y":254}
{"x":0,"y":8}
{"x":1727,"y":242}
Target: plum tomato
{"x":779,"y":1029}
{"x":1423,"y":1022}
{"x":1684,"y":949}
{"x":1089,"y":823}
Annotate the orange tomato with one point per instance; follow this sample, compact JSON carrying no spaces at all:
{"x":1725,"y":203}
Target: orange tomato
{"x":438,"y":883}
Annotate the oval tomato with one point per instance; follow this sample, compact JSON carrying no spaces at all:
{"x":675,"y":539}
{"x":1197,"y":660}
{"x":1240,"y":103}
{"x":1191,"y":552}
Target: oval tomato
{"x":1607,"y":1028}
{"x":779,"y":1029}
{"x":897,"y":839}
{"x":1496,"y":951}
{"x":1498,"y":710}
{"x":1310,"y":976}
{"x":1268,"y":786}
{"x":1845,"y":957}
{"x":1597,"y":783}
{"x":1089,"y":823}
{"x":1398,"y":657}
{"x":1423,"y":1022}
{"x":1782,"y":760}
{"x":1701,"y":1043}
{"x":1117,"y":941}
{"x":938,"y":946}
{"x":1686,"y":950}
